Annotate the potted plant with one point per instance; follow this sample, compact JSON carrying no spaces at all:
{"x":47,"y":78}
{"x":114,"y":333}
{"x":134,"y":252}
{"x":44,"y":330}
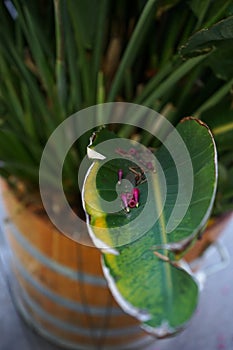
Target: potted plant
{"x":60,"y":57}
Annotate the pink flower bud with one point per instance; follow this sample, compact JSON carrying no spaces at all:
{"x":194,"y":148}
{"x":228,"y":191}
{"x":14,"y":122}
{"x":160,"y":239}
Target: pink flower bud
{"x":136,"y":193}
{"x":125,"y":201}
{"x":120,"y":174}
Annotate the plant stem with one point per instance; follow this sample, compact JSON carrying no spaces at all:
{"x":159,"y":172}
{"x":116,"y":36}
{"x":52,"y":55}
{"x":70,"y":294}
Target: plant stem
{"x":215,"y":98}
{"x":60,"y":62}
{"x":100,"y":88}
{"x":73,"y":72}
{"x":133,"y":47}
{"x":97,"y":49}
{"x":155,"y":81}
{"x":83,"y":60}
{"x":168,"y":83}
{"x":222,"y":129}
{"x":218,"y":14}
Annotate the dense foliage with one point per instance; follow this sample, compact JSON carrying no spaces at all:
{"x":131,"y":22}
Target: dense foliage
{"x":58,"y":57}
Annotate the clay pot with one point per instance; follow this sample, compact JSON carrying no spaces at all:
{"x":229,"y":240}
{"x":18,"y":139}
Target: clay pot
{"x":59,"y":287}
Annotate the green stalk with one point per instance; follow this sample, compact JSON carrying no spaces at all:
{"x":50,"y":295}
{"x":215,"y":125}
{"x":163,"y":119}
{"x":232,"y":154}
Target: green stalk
{"x":13,"y":146}
{"x":186,"y":92}
{"x":134,"y":45}
{"x":187,"y":30}
{"x":19,"y":37}
{"x":28,"y":115}
{"x":222,"y":129}
{"x":168,"y":83}
{"x":84,"y":64}
{"x":73,"y":72}
{"x":100,"y":88}
{"x":28,"y":24}
{"x":100,"y":99}
{"x":39,"y":102}
{"x":68,"y":167}
{"x":169,"y":112}
{"x":215,"y":16}
{"x":128,"y":85}
{"x":60,"y":62}
{"x":99,"y":41}
{"x":215,"y":98}
{"x":156,"y":80}
{"x":202,"y":14}
{"x":169,"y":39}
{"x":10,"y":91}
{"x":164,"y":87}
{"x":46,"y":71}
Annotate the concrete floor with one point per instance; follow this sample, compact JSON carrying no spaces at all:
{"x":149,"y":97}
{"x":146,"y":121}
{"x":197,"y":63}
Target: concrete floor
{"x":211,"y":328}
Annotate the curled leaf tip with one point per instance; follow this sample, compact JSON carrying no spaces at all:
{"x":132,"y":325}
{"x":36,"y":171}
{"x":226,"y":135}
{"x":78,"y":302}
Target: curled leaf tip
{"x":163,"y":331}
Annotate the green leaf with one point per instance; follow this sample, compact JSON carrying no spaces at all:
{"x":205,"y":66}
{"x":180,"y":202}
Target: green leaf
{"x":207,"y":39}
{"x":199,"y":8}
{"x":86,"y":12}
{"x":83,"y":62}
{"x":217,"y":11}
{"x":138,"y":263}
{"x":133,"y":47}
{"x":220,"y":61}
{"x":218,"y":42}
{"x":163,"y":297}
{"x":30,"y":29}
{"x":165,"y":5}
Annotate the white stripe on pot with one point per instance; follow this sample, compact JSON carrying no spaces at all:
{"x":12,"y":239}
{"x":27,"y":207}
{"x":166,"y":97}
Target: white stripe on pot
{"x":133,"y":345}
{"x":53,"y":265}
{"x":35,"y":307}
{"x":70,"y":304}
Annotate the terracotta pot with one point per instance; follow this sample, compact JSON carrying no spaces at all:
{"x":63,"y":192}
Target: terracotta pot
{"x":210,"y":235}
{"x":59,"y":287}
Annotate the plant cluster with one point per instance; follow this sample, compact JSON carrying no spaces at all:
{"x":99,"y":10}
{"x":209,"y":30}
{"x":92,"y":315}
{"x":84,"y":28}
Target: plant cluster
{"x":58,"y":57}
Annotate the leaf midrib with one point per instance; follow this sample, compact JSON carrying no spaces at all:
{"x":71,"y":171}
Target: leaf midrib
{"x":167,"y":286}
